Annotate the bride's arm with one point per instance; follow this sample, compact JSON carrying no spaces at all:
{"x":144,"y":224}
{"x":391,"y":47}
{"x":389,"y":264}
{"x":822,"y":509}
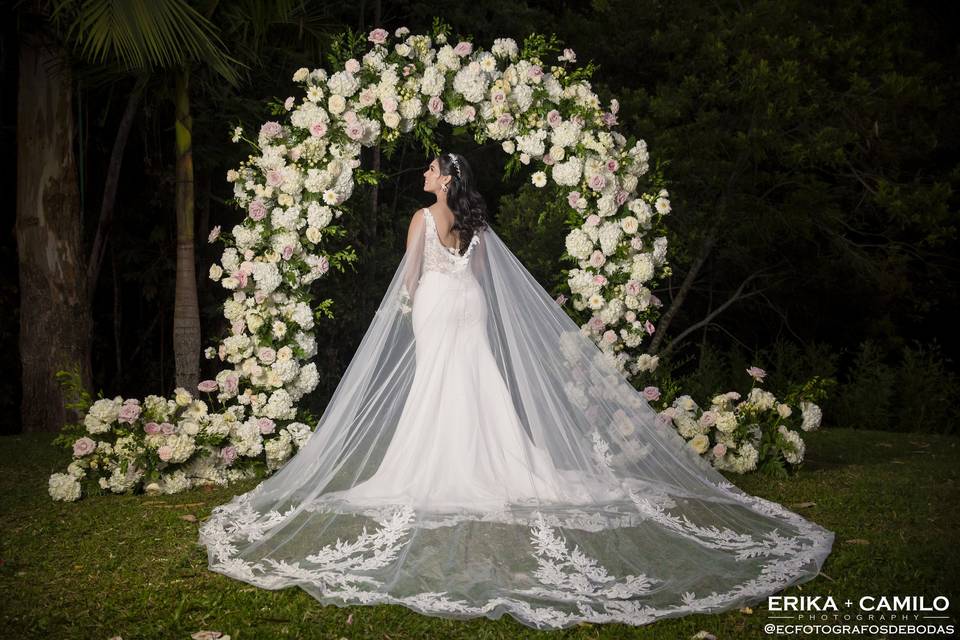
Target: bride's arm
{"x":413,"y":260}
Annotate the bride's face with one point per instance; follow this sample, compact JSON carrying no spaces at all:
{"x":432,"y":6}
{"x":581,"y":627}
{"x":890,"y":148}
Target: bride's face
{"x":432,"y":180}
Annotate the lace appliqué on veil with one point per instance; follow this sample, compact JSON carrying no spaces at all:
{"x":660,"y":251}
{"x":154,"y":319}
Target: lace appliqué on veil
{"x":565,"y":574}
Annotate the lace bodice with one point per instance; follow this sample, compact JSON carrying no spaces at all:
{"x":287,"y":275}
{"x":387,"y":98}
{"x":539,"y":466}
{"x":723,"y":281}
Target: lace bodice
{"x":439,"y":257}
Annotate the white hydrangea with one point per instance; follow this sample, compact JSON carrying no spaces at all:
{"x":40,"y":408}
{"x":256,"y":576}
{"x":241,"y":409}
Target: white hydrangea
{"x":433,"y":81}
{"x":343,"y":83}
{"x":579,"y":245}
{"x":568,"y":173}
{"x":812,"y":415}
{"x":471,"y":82}
{"x":299,"y":433}
{"x":280,"y":406}
{"x":247,"y":439}
{"x":267,"y":276}
{"x":796,"y":447}
{"x":278,"y":450}
{"x":505,"y":48}
{"x":566,"y":134}
{"x":175,"y":482}
{"x":532,"y":143}
{"x":63,"y":486}
{"x":609,"y":237}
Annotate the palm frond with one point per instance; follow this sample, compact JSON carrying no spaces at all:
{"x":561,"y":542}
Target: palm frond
{"x":144,"y":34}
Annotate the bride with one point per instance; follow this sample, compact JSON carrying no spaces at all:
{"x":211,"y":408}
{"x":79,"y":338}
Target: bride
{"x":481,"y":456}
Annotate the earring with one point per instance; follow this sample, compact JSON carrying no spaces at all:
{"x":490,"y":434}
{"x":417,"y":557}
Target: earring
{"x":443,"y":188}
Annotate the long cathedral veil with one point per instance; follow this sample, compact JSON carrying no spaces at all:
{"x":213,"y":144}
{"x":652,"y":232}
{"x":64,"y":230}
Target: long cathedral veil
{"x":664,"y":534}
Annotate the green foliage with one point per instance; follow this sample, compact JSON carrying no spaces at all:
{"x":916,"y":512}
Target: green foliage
{"x":164,"y":34}
{"x":912,"y":390}
{"x":78,"y":400}
{"x":345,"y":45}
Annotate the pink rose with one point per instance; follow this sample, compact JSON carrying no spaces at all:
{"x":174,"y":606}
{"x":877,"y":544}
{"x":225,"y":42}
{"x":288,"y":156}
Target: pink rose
{"x":621,"y":197}
{"x":83,"y":446}
{"x":593,"y":220}
{"x":597,"y":259}
{"x":612,"y":165}
{"x":323,"y":265}
{"x":271,"y":129}
{"x":237,"y":327}
{"x":597,"y":182}
{"x":231,"y":383}
{"x":757,"y":373}
{"x":352,"y":65}
{"x":129,"y":412}
{"x":651,"y":393}
{"x":463,"y":49}
{"x":368,"y":96}
{"x":274,"y":178}
{"x":390,"y":105}
{"x":719,"y":450}
{"x":408,"y":69}
{"x":435,"y":105}
{"x":572,"y":198}
{"x":214,"y":234}
{"x":600,"y":279}
{"x":241,"y":275}
{"x":554,"y":118}
{"x":378,"y":36}
{"x":505,"y":120}
{"x":228,"y":454}
{"x":470,"y":112}
{"x":548,"y":159}
{"x":535,"y":73}
{"x":165,"y":452}
{"x":208,"y":385}
{"x":577,"y":120}
{"x":648,"y":326}
{"x":632,"y":288}
{"x":655,"y":301}
{"x":561,"y":299}
{"x":708,"y":418}
{"x":609,"y":336}
{"x":151,"y":428}
{"x":167,"y":429}
{"x":257,"y":209}
{"x":350,"y":117}
{"x":596,"y":324}
{"x":355,"y":131}
{"x":259,"y":296}
{"x":266,"y":425}
{"x":288,"y":103}
{"x":267,"y":355}
{"x":499,"y":97}
{"x":222,"y":352}
{"x":318,"y":129}
{"x":609,"y":119}
{"x":287,"y":251}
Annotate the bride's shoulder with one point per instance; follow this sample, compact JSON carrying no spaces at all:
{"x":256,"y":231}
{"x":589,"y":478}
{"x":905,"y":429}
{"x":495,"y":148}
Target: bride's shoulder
{"x":416,"y":217}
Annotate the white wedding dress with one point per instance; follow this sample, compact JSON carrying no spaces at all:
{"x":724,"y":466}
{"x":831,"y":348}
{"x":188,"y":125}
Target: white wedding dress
{"x":504,"y":466}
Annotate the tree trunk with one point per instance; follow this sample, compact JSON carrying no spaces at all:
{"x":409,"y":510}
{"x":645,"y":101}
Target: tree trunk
{"x":111,"y":183}
{"x":55,"y":320}
{"x":186,"y":313}
{"x":692,"y":274}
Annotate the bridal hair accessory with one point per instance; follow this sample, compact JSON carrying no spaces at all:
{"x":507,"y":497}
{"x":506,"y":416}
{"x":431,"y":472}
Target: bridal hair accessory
{"x":455,"y":162}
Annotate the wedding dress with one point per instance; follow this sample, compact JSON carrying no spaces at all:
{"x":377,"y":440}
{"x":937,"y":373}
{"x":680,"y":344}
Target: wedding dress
{"x":481,"y":456}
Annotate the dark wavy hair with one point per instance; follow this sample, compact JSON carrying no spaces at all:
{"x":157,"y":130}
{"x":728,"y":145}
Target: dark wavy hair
{"x":468,"y":206}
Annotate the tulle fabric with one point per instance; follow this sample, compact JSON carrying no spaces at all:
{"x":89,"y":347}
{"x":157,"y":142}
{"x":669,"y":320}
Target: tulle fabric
{"x":480,"y":456}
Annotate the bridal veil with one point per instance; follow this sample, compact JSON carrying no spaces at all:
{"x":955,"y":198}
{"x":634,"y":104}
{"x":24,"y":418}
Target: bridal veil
{"x":660,"y":532}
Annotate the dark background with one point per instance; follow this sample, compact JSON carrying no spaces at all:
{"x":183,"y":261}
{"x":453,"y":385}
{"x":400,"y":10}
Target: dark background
{"x":812,"y":148}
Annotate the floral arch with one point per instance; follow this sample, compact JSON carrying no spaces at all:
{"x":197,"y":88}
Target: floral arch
{"x":292,"y":189}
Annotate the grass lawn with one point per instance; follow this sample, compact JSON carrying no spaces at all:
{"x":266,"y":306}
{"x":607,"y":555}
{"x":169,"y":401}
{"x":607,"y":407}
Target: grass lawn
{"x":131,"y":565}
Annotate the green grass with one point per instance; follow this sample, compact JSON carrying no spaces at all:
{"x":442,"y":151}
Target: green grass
{"x":131,"y":566}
